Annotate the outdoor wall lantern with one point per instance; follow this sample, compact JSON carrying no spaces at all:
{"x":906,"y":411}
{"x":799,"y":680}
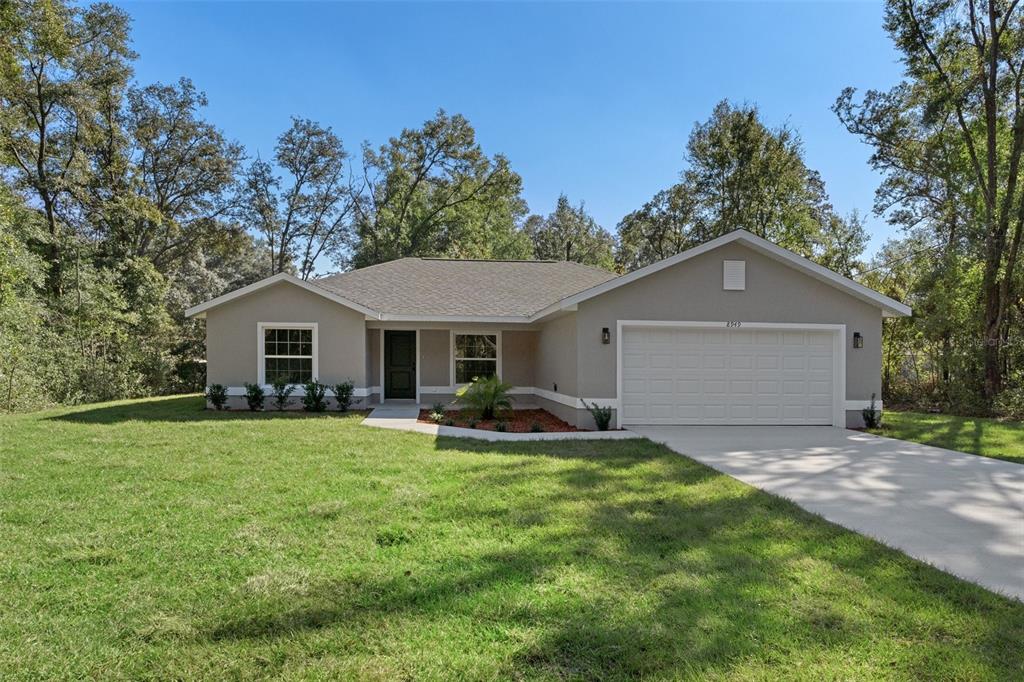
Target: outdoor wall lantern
{"x":606,"y":336}
{"x":858,"y":340}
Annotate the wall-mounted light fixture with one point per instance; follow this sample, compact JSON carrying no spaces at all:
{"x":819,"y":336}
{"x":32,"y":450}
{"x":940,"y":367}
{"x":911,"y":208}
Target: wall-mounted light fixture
{"x":606,"y":336}
{"x":858,"y":340}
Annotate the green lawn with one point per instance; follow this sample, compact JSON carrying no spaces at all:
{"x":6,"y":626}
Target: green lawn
{"x":986,"y":437}
{"x":151,"y":539}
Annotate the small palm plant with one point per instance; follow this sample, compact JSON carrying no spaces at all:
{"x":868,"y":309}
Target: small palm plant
{"x":487,"y":395}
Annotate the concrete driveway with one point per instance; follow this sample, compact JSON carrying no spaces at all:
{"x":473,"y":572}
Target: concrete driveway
{"x":959,"y":512}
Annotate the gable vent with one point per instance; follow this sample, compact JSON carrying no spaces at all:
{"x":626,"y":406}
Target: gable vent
{"x":734,"y":275}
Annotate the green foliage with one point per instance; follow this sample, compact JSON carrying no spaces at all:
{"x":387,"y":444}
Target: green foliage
{"x":343,"y":395}
{"x":741,"y":174}
{"x":255,"y":396}
{"x":948,"y":141}
{"x":536,"y":427}
{"x":281,"y":390}
{"x":571,"y":234}
{"x":1010,"y":403}
{"x":472,"y":422}
{"x":501,"y":425}
{"x":431,"y":191}
{"x":437,"y":413}
{"x":217,"y":394}
{"x":872,"y":416}
{"x":313,"y":399}
{"x":307,"y":215}
{"x":602,"y":415}
{"x":486,"y":395}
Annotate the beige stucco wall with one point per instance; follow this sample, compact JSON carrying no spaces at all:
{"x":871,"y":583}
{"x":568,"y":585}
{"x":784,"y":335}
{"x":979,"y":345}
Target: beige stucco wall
{"x":435,"y":357}
{"x":693,"y":291}
{"x":518,"y":357}
{"x":231,"y":335}
{"x":556,"y":355}
{"x":373,"y":358}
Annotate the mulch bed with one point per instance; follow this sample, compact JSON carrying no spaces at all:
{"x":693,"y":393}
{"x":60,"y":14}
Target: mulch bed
{"x":517,"y":421}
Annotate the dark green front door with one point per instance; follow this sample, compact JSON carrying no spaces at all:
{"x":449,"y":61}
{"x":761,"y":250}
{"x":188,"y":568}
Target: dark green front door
{"x":399,"y":364}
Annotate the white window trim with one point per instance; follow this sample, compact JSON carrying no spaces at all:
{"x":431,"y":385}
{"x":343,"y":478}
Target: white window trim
{"x":838,"y":353}
{"x":380,"y":365}
{"x":496,"y":333}
{"x":261,"y":365}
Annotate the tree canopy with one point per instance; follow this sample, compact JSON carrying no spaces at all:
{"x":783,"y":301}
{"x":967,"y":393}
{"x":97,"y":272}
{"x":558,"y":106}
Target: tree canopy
{"x":739,"y":173}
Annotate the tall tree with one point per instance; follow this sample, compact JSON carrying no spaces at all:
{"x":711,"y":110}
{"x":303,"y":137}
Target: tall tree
{"x":165,"y":177}
{"x":739,"y":173}
{"x":62,"y":63}
{"x":569,"y":233}
{"x":432,"y":191}
{"x":662,"y":227}
{"x":306,"y":213}
{"x":962,"y":95}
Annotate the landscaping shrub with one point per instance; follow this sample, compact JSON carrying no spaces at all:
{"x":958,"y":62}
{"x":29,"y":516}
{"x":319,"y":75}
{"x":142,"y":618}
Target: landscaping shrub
{"x":872,"y":417}
{"x":602,"y":415}
{"x":217,"y":394}
{"x":449,"y":422}
{"x":281,"y":390}
{"x":501,"y":425}
{"x":472,"y":422}
{"x":254,"y":396}
{"x":343,"y":395}
{"x":535,"y":427}
{"x":314,"y":399}
{"x":486,"y":396}
{"x":436,"y":414}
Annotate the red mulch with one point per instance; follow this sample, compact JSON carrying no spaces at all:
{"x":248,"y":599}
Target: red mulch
{"x":517,"y":421}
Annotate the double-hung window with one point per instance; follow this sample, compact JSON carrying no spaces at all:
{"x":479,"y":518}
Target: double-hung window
{"x":476,"y":355}
{"x":289,"y":353}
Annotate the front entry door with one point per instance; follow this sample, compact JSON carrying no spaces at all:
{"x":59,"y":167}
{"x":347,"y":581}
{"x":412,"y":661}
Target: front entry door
{"x":399,"y":364}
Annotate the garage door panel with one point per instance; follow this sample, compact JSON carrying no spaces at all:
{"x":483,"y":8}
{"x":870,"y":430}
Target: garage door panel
{"x":714,"y":386}
{"x":742,"y":361}
{"x":719,"y":376}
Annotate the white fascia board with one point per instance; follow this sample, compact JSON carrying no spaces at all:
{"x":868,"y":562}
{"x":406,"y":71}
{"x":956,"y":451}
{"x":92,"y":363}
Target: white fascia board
{"x":890,"y":307}
{"x":476,"y":319}
{"x":274,"y":279}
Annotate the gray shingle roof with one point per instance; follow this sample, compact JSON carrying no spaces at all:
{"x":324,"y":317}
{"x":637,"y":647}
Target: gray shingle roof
{"x":434,"y":286}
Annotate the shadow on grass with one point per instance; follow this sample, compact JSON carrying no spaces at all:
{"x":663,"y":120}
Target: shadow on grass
{"x":181,"y":408}
{"x":633,"y":561}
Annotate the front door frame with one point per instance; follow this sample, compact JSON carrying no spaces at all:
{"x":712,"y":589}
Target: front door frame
{"x":383,"y":383}
{"x":838,"y":353}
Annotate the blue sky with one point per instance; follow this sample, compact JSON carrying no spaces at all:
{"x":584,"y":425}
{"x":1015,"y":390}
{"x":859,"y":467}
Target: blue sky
{"x":593,"y":100}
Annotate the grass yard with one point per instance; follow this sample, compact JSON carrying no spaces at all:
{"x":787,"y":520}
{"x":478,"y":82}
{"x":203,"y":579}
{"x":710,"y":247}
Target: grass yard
{"x":985,"y":437}
{"x":151,"y":539}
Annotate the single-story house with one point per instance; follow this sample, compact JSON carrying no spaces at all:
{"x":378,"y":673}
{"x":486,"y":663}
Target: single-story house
{"x":735,"y":331}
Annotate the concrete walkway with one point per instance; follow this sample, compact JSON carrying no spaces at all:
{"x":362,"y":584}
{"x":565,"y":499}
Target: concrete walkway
{"x":959,"y":512}
{"x":404,"y":418}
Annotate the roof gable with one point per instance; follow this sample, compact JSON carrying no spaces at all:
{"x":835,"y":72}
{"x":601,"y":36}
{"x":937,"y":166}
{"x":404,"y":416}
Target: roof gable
{"x":889,"y":306}
{"x":200,"y":310}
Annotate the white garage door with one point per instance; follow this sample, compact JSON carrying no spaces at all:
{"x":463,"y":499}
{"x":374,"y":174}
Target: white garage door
{"x":681,"y":375}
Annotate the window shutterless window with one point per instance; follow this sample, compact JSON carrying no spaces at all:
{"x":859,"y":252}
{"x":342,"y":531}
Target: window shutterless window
{"x":476,"y":355}
{"x":288,"y":354}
